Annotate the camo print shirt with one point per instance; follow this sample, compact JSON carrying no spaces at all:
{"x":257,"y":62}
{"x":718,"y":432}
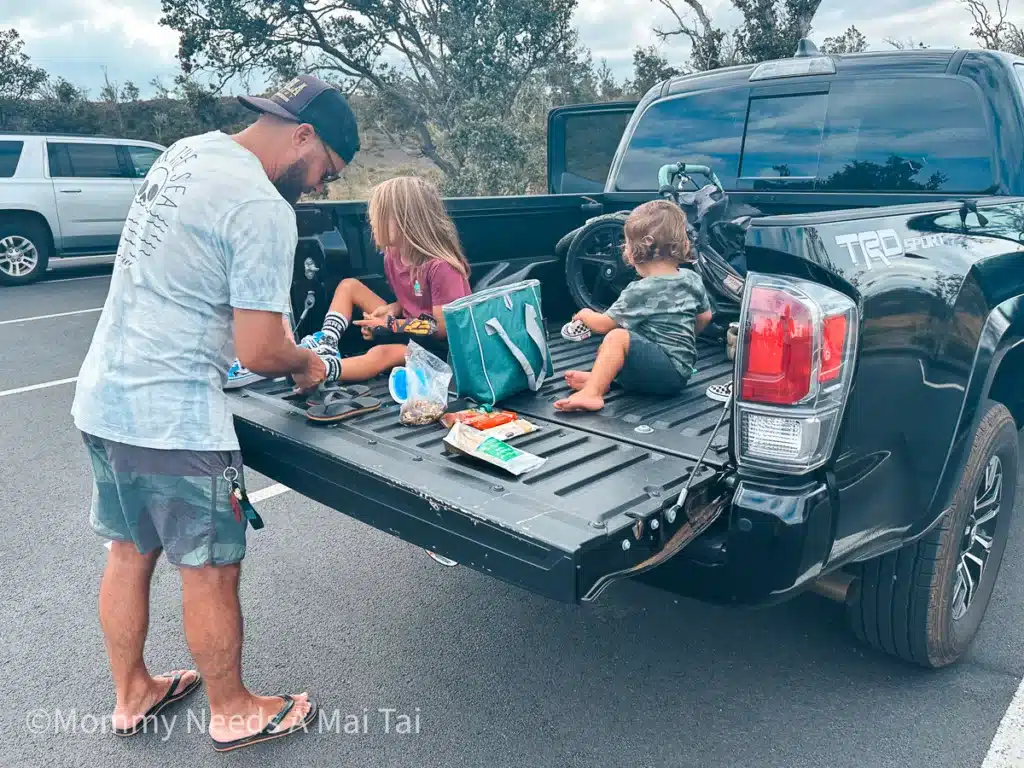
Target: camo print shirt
{"x":663,"y":309}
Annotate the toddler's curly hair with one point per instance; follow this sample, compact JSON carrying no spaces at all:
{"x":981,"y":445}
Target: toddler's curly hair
{"x":657,"y":231}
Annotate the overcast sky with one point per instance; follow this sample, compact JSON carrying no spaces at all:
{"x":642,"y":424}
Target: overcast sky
{"x":78,"y":38}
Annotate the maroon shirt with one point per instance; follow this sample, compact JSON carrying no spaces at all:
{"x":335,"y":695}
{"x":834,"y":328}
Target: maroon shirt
{"x":439,"y":283}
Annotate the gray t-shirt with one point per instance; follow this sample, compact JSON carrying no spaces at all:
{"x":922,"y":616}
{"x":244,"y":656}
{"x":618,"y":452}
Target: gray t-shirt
{"x":663,"y":310}
{"x":206,"y":233}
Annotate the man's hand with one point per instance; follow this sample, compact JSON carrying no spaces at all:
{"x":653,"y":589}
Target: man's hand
{"x":314,"y":375}
{"x":381,"y":311}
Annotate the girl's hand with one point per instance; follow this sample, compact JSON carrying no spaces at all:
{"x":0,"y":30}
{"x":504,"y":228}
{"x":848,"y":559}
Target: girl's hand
{"x":367,"y":324}
{"x":380,"y":311}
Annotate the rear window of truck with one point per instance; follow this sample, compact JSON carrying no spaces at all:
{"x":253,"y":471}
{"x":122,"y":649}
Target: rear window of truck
{"x":704,"y":128}
{"x":895,"y":135}
{"x":10,"y":154}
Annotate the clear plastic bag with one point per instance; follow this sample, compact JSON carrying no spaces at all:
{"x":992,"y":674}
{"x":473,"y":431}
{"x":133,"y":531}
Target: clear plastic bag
{"x":427,"y":381}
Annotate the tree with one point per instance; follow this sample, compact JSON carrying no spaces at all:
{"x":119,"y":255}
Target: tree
{"x":452,"y":78}
{"x":992,"y":29}
{"x":18,"y":78}
{"x":851,"y":41}
{"x":770,"y":29}
{"x":903,"y":45}
{"x":649,"y":69}
{"x":710,"y":48}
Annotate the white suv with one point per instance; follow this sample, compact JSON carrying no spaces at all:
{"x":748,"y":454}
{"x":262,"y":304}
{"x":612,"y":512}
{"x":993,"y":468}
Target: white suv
{"x":64,"y":195}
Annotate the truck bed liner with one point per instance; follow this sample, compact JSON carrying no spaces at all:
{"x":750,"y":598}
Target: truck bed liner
{"x":554,"y":530}
{"x":679,"y":426}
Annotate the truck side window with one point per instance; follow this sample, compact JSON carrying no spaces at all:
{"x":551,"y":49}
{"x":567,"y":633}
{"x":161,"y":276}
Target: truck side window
{"x":591,"y":142}
{"x":784,"y":137}
{"x":87,"y":160}
{"x":905,"y":135}
{"x":10,"y":154}
{"x":704,"y":128}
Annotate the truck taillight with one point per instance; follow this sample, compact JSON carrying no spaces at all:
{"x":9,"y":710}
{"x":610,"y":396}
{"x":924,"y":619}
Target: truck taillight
{"x":794,"y":369}
{"x":779,"y":335}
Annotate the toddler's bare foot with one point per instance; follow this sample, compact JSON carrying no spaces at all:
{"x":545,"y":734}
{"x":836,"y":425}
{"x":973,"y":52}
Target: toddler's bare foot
{"x":577,"y":379}
{"x":581,"y":402}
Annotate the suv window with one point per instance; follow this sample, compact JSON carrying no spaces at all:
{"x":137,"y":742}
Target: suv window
{"x":591,"y":142}
{"x":704,"y":128}
{"x":904,"y":135}
{"x":10,"y":154}
{"x":142,"y":159}
{"x":783,"y":137}
{"x":85,"y":160}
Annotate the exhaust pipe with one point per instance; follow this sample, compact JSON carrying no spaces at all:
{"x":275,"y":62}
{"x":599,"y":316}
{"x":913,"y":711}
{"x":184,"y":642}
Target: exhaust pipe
{"x":834,"y":586}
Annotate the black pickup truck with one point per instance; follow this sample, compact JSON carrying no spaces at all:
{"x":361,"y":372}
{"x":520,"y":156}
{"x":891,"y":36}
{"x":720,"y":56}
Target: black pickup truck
{"x":871,"y":449}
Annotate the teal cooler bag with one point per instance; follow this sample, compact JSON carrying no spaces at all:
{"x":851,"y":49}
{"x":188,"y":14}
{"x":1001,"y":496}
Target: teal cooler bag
{"x":497,"y":344}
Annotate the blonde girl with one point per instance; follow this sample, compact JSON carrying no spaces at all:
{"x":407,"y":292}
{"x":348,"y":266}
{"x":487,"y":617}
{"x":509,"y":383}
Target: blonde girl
{"x":425,"y":268}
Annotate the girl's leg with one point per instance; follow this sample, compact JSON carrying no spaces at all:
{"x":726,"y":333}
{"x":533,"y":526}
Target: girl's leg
{"x":349,"y":294}
{"x":611,"y":356}
{"x":352,"y":293}
{"x":375,"y":362}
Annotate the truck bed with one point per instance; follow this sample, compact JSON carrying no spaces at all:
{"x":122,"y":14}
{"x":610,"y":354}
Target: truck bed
{"x":555,"y":530}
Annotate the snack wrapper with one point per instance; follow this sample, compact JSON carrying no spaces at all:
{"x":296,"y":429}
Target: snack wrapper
{"x":467,"y":441}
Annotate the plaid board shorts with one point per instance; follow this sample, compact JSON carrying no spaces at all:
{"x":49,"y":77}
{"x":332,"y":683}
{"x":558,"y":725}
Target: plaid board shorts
{"x":169,"y":499}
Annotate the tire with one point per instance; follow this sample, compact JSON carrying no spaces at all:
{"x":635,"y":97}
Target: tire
{"x":910,"y":603}
{"x":31,"y":241}
{"x":613,"y":222}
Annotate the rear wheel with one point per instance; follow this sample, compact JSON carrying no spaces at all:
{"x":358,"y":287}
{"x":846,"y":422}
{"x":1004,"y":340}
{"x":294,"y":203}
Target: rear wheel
{"x":925,"y":602}
{"x":24,"y":250}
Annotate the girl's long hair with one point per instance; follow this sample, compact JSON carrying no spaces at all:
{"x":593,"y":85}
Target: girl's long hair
{"x":426,"y":230}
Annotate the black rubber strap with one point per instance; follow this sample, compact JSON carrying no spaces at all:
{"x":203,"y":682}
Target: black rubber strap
{"x":275,"y":721}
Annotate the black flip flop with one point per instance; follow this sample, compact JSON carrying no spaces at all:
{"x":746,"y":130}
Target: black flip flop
{"x":265,"y":734}
{"x":172,"y":695}
{"x":317,"y":396}
{"x":337,"y":406}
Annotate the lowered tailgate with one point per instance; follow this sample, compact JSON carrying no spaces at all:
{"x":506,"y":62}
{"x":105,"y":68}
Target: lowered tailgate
{"x":556,"y":531}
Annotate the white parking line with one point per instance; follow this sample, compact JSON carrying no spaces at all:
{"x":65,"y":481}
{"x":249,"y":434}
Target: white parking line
{"x":268,"y":493}
{"x":33,"y":387}
{"x":47,"y":317}
{"x":1007,"y":748}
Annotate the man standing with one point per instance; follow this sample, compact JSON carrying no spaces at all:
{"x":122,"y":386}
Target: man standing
{"x":202,"y":274}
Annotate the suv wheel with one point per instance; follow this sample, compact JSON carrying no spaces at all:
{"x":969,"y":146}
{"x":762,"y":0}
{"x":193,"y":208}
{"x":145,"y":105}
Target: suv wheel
{"x":925,"y":602}
{"x":24,"y":251}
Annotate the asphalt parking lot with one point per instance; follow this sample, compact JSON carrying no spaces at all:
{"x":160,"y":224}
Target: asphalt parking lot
{"x":489,"y":675}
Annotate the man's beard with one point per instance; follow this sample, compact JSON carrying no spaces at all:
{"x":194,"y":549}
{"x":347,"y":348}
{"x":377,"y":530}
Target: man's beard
{"x":292,"y":182}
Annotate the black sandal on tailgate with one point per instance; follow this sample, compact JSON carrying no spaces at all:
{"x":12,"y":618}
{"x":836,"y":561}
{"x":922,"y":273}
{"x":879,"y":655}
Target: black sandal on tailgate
{"x":316,"y":397}
{"x":338,"y":405}
{"x":268,"y":731}
{"x":172,"y":695}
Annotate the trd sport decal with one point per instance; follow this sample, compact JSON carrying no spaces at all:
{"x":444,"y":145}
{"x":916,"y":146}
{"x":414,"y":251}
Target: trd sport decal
{"x":881,"y":245}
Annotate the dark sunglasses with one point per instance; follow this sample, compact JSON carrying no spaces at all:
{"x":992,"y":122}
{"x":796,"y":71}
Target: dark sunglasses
{"x":332,"y":174}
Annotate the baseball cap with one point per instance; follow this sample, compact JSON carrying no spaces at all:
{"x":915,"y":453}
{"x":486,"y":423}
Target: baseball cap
{"x":308,"y":99}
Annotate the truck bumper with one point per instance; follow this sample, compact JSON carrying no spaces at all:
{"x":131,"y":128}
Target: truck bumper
{"x":773,"y":545}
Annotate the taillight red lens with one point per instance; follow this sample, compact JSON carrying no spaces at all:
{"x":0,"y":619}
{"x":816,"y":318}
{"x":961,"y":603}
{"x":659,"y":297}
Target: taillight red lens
{"x":779,"y":344}
{"x":833,"y":339}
